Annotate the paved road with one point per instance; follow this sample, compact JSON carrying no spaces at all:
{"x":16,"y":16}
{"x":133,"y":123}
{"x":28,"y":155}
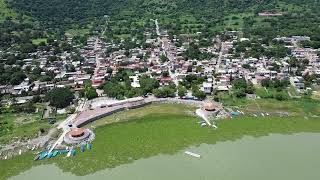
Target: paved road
{"x":220,"y":56}
{"x":64,"y":125}
{"x":98,"y":54}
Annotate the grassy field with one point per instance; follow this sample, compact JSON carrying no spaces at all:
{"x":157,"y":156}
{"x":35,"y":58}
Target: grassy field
{"x":157,"y":129}
{"x":171,"y":109}
{"x":20,"y":126}
{"x":38,"y":41}
{"x":261,"y":91}
{"x":293,"y":91}
{"x":316,"y":95}
{"x":235,"y":21}
{"x":300,"y":107}
{"x":23,"y":126}
{"x":77,"y":32}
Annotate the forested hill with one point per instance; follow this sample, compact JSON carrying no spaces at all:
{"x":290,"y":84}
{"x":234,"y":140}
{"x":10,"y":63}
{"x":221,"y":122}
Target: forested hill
{"x":185,"y":17}
{"x":57,"y":12}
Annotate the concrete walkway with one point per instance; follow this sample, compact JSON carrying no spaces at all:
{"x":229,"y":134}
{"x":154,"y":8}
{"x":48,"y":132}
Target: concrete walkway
{"x":203,"y":116}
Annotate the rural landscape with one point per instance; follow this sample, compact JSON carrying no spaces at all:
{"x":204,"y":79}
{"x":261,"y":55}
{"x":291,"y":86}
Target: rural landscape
{"x":181,"y":89}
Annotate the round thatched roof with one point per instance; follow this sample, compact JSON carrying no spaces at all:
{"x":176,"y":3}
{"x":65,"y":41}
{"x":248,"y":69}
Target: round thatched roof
{"x":209,"y":106}
{"x":78,"y":132}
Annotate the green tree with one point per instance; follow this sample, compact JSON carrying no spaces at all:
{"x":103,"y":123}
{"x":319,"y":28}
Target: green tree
{"x":59,"y":97}
{"x":163,"y":58}
{"x":88,"y":92}
{"x":148,"y":84}
{"x":197,"y":93}
{"x":114,"y":90}
{"x":17,"y":78}
{"x":182,"y":91}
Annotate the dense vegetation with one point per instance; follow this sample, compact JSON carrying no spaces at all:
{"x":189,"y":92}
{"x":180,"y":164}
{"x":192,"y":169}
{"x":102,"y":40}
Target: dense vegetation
{"x":59,"y":97}
{"x":178,"y":16}
{"x":26,"y":23}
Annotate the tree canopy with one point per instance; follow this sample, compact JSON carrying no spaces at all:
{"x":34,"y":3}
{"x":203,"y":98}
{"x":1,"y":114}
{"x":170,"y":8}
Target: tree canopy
{"x":59,"y":97}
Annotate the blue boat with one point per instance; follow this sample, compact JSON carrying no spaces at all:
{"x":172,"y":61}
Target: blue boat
{"x":64,"y":151}
{"x":43,"y":155}
{"x":82,"y":148}
{"x":88,"y":146}
{"x":55,"y":153}
{"x":50,"y":155}
{"x":234,"y":113}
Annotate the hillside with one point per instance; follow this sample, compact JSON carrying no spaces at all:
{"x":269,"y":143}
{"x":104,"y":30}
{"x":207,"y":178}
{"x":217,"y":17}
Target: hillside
{"x":213,"y":14}
{"x":129,"y":18}
{"x":4,"y":11}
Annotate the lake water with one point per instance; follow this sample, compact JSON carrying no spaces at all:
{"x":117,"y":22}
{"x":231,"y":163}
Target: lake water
{"x":278,"y":157}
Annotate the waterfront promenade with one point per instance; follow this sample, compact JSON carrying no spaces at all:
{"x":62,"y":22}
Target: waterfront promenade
{"x":96,"y":113}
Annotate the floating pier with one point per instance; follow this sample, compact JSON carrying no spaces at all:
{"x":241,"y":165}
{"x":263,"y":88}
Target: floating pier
{"x":192,"y":154}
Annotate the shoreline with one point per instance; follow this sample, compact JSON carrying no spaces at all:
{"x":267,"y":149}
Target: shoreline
{"x":131,"y":137}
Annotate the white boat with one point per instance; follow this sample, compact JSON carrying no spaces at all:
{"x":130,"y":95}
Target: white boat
{"x":262,"y":114}
{"x":6,"y":157}
{"x":192,"y":154}
{"x":20,"y":152}
{"x":69,"y":153}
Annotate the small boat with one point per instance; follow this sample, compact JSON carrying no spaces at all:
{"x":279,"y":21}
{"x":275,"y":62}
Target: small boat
{"x":69,"y":153}
{"x":37,"y":157}
{"x":43,"y":155}
{"x":262,"y":114}
{"x":200,"y":122}
{"x":73,"y":152}
{"x":55,"y":153}
{"x":192,"y":154}
{"x":234,"y":113}
{"x":82,"y":148}
{"x":6,"y":157}
{"x":50,"y":155}
{"x":64,"y":151}
{"x":20,"y":152}
{"x":88,"y":146}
